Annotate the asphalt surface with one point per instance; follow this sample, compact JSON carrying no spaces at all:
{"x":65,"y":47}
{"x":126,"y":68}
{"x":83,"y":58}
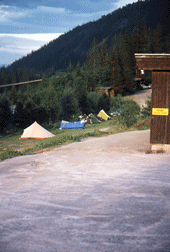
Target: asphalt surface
{"x":94,"y":195}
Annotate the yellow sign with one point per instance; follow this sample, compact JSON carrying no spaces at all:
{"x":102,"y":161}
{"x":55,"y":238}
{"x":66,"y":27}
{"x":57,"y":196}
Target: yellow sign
{"x":160,"y":111}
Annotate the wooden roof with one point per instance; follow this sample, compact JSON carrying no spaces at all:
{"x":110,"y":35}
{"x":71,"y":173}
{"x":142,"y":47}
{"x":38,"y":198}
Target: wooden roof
{"x":153,"y":61}
{"x":104,"y":88}
{"x":138,"y":79}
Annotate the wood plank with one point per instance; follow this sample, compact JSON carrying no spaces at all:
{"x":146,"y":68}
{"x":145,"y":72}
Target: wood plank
{"x":153,"y":64}
{"x":153,"y":61}
{"x":20,"y":83}
{"x":168,"y":102}
{"x":160,"y":132}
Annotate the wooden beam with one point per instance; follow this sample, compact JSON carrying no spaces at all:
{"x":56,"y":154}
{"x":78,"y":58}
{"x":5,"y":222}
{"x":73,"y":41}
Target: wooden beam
{"x":20,"y":83}
{"x":153,"y":62}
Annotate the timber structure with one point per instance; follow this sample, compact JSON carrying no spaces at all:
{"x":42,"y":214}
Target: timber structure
{"x":159,"y":64}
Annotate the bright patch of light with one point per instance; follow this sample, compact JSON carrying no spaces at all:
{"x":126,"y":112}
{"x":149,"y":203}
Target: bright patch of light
{"x":51,"y":9}
{"x":46,"y":37}
{"x":122,"y":3}
{"x":22,"y":44}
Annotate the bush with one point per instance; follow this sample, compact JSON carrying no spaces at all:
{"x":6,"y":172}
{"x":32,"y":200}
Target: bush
{"x":127,"y":119}
{"x":97,"y":101}
{"x":103,"y":102}
{"x":92,"y":102}
{"x":146,"y":111}
{"x":131,"y":106}
{"x":5,"y":115}
{"x":116,"y":103}
{"x":69,"y":105}
{"x":131,"y":110}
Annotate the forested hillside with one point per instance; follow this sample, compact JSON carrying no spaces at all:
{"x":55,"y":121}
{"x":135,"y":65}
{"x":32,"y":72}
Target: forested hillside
{"x":64,"y":95}
{"x":74,"y":45}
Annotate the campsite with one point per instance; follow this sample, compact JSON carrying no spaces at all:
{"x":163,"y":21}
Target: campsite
{"x":11,"y":145}
{"x":85,"y":126}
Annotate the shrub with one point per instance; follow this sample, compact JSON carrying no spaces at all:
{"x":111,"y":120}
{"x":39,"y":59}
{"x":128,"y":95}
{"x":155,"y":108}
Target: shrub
{"x":103,"y":102}
{"x":146,"y":110}
{"x":69,"y":105}
{"x":128,"y":119}
{"x":92,"y":102}
{"x":5,"y":115}
{"x":130,"y":109}
{"x":131,"y":106}
{"x":116,"y":102}
{"x":97,"y":101}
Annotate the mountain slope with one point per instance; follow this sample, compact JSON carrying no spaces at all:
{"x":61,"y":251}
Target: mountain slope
{"x":73,"y":45}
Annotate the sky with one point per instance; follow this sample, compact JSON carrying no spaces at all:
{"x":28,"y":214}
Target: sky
{"x":26,"y":25}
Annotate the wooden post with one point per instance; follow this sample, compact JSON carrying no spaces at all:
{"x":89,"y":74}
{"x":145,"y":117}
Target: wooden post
{"x":159,"y":64}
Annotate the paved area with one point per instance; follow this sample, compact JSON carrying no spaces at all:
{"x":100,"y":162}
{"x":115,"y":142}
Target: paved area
{"x":87,"y":196}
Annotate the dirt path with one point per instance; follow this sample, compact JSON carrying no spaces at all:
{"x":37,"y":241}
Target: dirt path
{"x":100,"y":194}
{"x":127,"y":142}
{"x":141,"y":97}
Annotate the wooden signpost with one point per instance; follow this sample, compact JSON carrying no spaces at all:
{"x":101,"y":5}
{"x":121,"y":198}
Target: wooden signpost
{"x":159,"y":64}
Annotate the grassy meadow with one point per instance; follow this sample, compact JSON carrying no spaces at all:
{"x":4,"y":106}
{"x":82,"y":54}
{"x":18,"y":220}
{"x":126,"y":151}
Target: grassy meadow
{"x":11,"y":145}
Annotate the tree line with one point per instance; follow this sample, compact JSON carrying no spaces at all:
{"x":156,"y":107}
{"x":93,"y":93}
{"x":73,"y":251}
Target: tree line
{"x":65,"y":95}
{"x":74,"y":44}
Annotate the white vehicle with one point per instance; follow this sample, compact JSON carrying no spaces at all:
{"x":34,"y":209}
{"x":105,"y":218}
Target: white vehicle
{"x":143,"y":86}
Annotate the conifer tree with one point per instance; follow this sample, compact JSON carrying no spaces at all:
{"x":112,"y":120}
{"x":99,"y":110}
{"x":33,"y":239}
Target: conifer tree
{"x":137,"y":37}
{"x":115,"y":42}
{"x":80,"y":90}
{"x":70,"y":68}
{"x":148,"y":36}
{"x":78,"y":69}
{"x":167,"y":44}
{"x":50,"y":103}
{"x":157,"y":39}
{"x":13,"y":76}
{"x":6,"y":76}
{"x":104,"y":55}
{"x":92,"y":80}
{"x":5,"y":114}
{"x":13,"y":95}
{"x":93,"y":60}
{"x":24,"y":75}
{"x":116,"y":77}
{"x":69,"y":104}
{"x":128,"y":84}
{"x":104,"y":68}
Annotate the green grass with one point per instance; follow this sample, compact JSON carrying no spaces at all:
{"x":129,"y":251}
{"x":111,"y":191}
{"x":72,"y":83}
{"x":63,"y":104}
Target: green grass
{"x":142,"y":124}
{"x":149,"y":151}
{"x":11,"y":145}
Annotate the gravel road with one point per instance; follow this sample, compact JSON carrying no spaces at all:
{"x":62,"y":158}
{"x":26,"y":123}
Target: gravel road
{"x":141,"y":97}
{"x":100,"y":194}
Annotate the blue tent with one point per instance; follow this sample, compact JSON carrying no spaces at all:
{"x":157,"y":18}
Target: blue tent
{"x":72,"y":125}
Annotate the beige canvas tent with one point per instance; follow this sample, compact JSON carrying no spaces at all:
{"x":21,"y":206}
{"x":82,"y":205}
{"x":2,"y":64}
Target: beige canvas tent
{"x":36,"y":131}
{"x":102,"y":114}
